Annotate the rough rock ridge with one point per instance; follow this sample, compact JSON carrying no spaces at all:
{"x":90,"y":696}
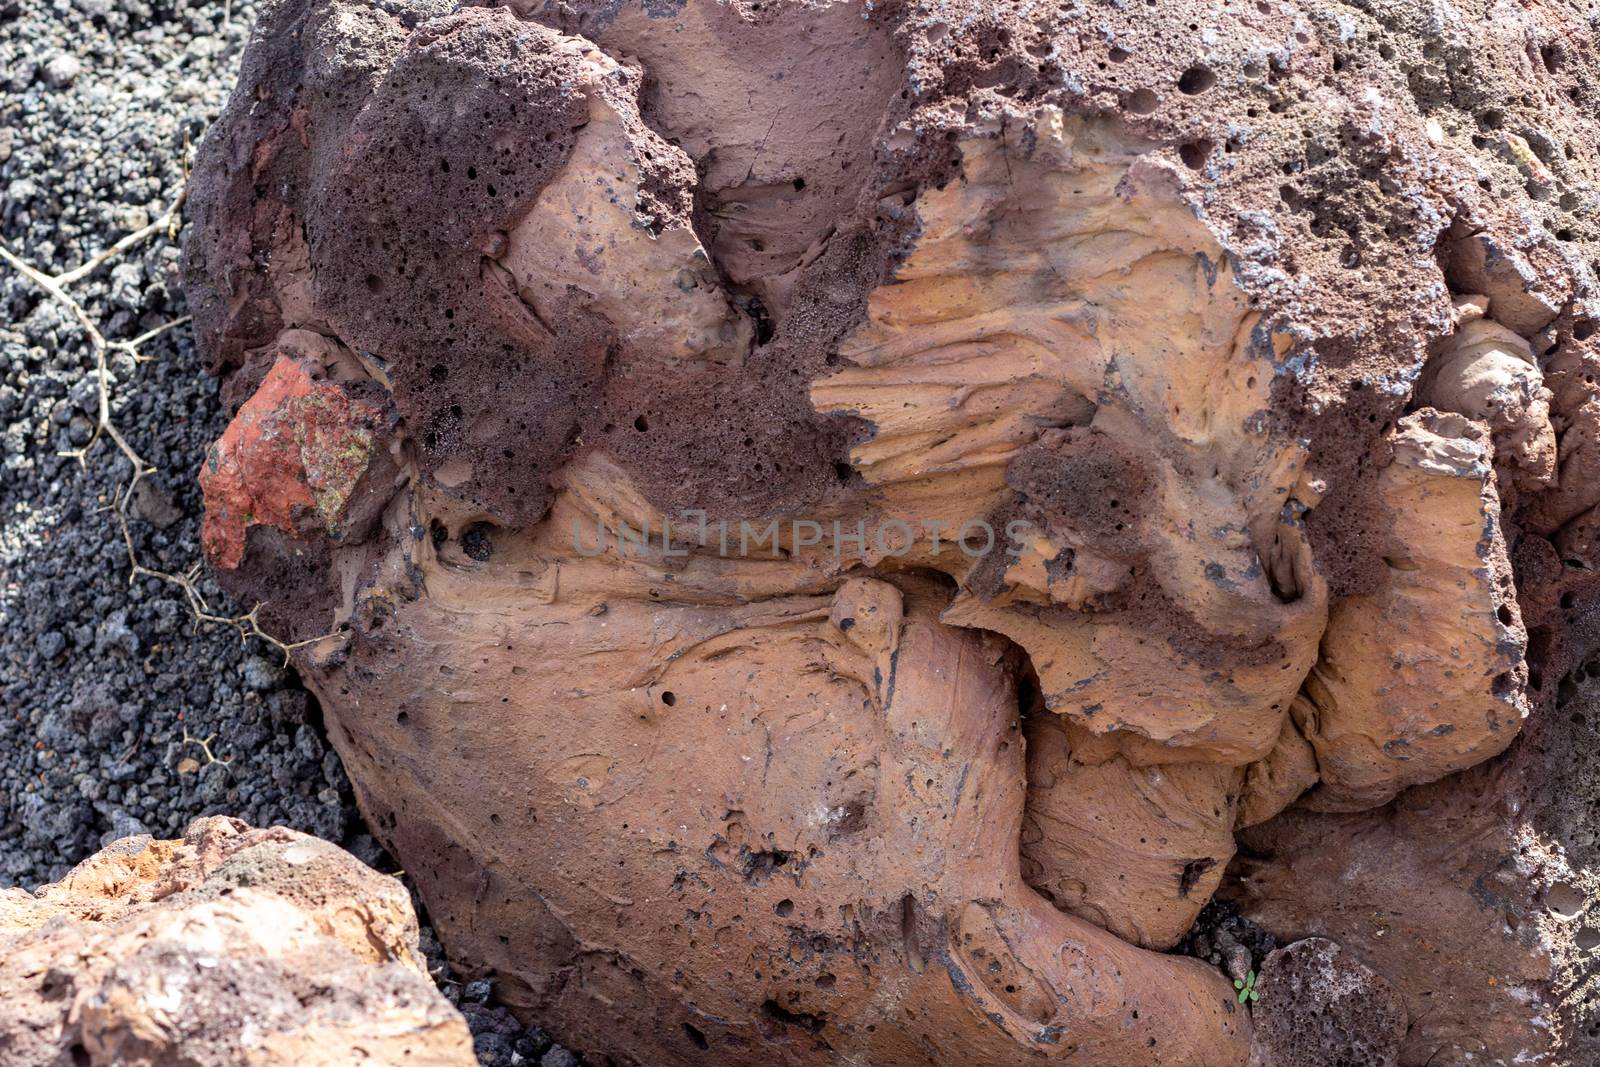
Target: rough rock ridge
{"x":625,"y":388}
{"x":226,"y":948}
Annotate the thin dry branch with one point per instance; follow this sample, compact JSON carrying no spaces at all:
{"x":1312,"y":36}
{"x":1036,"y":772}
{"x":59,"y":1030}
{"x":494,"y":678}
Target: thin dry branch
{"x":54,"y":286}
{"x":167,"y":223}
{"x":132,"y":347}
{"x":205,"y":747}
{"x":248,"y":624}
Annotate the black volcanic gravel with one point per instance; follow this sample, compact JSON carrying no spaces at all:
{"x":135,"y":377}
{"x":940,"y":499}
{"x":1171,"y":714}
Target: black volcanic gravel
{"x":101,"y":682}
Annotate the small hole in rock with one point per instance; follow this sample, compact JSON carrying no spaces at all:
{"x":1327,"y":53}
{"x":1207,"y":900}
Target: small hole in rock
{"x":1143,"y":102}
{"x":478,"y":542}
{"x":1565,"y":900}
{"x":1194,"y":154}
{"x":1196,"y":80}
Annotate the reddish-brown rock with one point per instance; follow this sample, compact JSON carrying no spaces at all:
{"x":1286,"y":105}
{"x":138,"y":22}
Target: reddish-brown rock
{"x":304,"y":455}
{"x":1318,"y":1006}
{"x":1259,"y":338}
{"x":230,"y":947}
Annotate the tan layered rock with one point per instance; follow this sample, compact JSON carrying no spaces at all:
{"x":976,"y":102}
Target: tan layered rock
{"x":1137,"y":850}
{"x":1428,"y":676}
{"x":1490,"y":375}
{"x":231,"y":946}
{"x":1278,"y":780}
{"x":804,"y":773}
{"x":1012,"y":357}
{"x":588,"y":232}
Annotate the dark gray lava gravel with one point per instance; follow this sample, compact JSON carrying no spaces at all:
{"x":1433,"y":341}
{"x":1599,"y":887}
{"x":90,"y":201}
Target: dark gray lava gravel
{"x":101,"y":681}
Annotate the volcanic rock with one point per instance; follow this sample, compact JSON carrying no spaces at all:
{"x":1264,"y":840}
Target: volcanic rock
{"x":835,"y":515}
{"x":230,"y":946}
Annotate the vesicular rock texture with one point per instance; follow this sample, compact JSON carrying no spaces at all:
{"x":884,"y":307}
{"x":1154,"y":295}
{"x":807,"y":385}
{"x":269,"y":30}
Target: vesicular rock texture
{"x":229,"y":947}
{"x":828,"y":519}
{"x":1316,"y":998}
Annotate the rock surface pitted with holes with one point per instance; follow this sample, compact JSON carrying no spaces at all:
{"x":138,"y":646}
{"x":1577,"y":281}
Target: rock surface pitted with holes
{"x":1259,"y":339}
{"x":231,"y":947}
{"x":1316,"y":998}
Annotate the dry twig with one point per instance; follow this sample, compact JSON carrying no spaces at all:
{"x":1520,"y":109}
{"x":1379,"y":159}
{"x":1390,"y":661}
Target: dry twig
{"x":55,"y":286}
{"x":205,"y":747}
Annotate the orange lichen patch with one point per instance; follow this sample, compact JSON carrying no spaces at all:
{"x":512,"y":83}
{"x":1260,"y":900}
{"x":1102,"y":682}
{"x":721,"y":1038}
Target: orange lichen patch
{"x":298,"y":445}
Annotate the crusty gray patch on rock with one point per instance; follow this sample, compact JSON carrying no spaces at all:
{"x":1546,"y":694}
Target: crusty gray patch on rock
{"x":1321,"y":1007}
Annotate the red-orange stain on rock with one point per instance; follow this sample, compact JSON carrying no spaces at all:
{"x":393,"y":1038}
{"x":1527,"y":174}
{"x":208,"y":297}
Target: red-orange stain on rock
{"x":297,"y":445}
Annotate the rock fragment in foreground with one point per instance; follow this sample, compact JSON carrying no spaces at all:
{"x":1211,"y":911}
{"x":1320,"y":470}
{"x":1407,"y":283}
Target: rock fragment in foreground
{"x":232,"y":947}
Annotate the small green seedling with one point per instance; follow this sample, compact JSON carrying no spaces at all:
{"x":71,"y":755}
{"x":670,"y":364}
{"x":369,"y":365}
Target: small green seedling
{"x":1247,"y":988}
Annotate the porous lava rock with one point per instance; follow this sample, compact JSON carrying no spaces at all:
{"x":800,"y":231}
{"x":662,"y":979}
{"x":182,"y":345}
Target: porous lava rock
{"x":229,"y":947}
{"x":820,"y":527}
{"x":1320,"y":1007}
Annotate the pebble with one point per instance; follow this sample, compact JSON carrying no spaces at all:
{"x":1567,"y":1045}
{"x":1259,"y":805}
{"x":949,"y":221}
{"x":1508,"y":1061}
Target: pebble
{"x":61,"y":70}
{"x":262,"y":674}
{"x":153,"y":506}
